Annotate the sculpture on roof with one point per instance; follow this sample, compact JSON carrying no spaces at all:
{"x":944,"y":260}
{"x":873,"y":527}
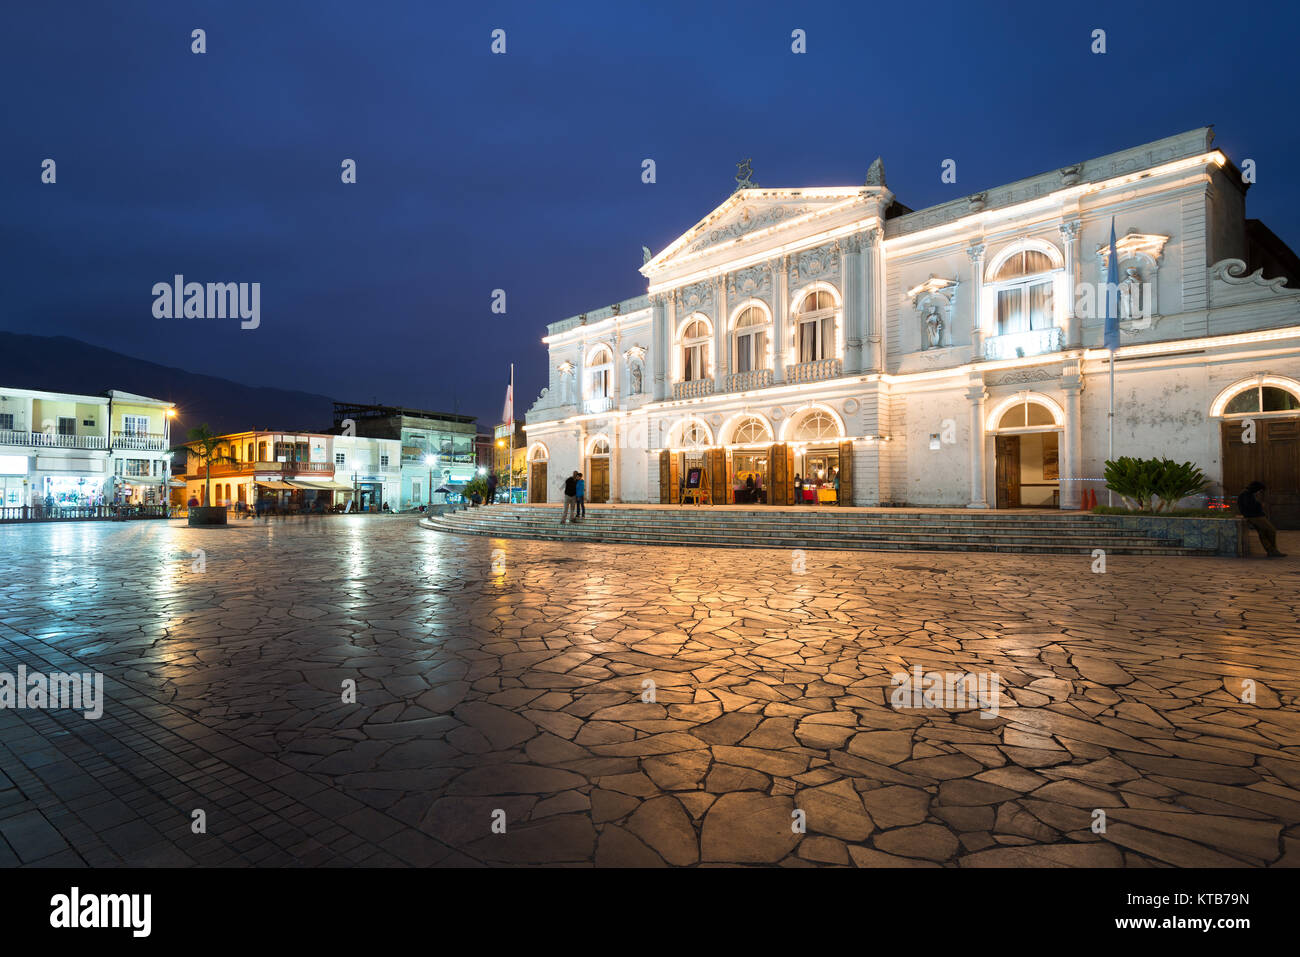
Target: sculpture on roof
{"x":646,"y":255}
{"x":744,"y":171}
{"x":876,"y":173}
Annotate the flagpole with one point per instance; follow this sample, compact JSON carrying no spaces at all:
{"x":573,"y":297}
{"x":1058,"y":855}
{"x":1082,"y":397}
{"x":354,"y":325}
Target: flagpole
{"x":1110,"y":441}
{"x":510,"y":455}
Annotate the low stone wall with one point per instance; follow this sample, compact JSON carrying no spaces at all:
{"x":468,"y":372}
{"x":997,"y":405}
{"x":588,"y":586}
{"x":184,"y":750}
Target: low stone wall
{"x":1227,"y":536}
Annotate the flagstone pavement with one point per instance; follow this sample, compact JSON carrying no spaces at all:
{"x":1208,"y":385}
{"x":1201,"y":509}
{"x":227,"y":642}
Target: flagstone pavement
{"x":540,"y":703}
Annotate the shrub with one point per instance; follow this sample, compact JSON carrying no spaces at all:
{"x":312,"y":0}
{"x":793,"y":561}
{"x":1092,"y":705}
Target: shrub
{"x":1153,"y":484}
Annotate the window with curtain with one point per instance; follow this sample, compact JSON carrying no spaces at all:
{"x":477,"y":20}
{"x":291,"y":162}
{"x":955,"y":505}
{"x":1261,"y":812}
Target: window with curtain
{"x":695,"y":346}
{"x":599,"y":366}
{"x":751,"y":340}
{"x":815,"y":327}
{"x":1024,"y":296}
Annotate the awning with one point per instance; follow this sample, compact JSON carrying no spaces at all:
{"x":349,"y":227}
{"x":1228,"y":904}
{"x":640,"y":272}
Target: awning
{"x":278,"y":486}
{"x":325,"y":486}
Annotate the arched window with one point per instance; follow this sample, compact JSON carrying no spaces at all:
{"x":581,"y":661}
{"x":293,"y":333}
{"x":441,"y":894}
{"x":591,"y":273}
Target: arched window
{"x":694,"y":435}
{"x":600,"y":447}
{"x":814,"y":325}
{"x":540,"y":454}
{"x":1259,"y":398}
{"x":751,"y":340}
{"x":1027,"y":415}
{"x":600,"y":368}
{"x":750,"y":431}
{"x":695,"y":350}
{"x":250,"y":452}
{"x":1023,"y":283}
{"x":816,"y":426}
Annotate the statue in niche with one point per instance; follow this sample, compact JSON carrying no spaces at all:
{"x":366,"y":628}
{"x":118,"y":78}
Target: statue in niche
{"x":1130,"y":294}
{"x":636,"y":378}
{"x":933,"y":325}
{"x":567,"y":379}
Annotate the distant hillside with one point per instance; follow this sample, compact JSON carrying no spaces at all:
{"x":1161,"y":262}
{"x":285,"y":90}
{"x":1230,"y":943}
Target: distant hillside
{"x":60,"y":364}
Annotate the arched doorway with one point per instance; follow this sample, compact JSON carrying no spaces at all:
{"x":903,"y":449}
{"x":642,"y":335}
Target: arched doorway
{"x":1260,"y":441}
{"x":598,"y":470}
{"x":821,"y":460}
{"x":537,"y":460}
{"x":1027,"y":446}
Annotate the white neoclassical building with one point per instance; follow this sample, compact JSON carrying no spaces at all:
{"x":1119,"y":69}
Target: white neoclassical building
{"x":828,"y":345}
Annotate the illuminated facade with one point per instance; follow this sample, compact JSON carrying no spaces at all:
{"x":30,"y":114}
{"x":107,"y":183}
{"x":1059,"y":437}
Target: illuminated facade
{"x":950,"y":356}
{"x":63,"y":450}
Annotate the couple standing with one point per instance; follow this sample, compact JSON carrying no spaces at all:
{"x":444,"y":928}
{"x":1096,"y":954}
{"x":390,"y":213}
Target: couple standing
{"x":575,"y":499}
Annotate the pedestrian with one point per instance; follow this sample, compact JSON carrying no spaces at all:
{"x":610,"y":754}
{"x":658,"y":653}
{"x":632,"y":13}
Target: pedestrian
{"x":580,"y":490}
{"x":570,"y":513}
{"x":1251,"y":510}
{"x":491,"y":488}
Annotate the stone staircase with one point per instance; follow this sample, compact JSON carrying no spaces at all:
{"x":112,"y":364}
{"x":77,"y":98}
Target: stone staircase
{"x":827,"y":528}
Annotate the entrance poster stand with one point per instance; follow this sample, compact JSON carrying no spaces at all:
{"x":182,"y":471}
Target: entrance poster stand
{"x":693,"y":488}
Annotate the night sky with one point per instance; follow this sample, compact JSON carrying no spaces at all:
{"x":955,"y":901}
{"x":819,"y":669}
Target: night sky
{"x":523,"y":171}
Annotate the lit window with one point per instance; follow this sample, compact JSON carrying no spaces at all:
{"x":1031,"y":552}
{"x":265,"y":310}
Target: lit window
{"x":599,"y":368}
{"x":1024,"y":292}
{"x":695,"y":351}
{"x":815,"y":327}
{"x":751,"y":340}
{"x":600,"y":447}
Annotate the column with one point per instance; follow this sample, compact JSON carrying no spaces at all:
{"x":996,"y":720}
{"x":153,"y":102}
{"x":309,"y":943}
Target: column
{"x":658,"y":353}
{"x":720,"y":338}
{"x":976,"y":394}
{"x":1069,"y":235}
{"x":780,"y":319}
{"x":873,"y":288}
{"x":853,"y":304}
{"x":1072,"y":440}
{"x":617,"y":436}
{"x":976,"y":253}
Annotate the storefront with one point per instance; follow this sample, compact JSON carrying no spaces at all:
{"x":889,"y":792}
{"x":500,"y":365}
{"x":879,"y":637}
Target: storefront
{"x":13,"y":481}
{"x":68,"y":491}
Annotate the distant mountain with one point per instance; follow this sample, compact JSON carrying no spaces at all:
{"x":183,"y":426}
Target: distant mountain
{"x":60,"y":364}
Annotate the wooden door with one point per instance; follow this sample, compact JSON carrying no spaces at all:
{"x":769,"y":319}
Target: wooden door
{"x":846,"y":474}
{"x":669,"y":478}
{"x":1273,"y":458}
{"x":1008,"y":470}
{"x":780,"y":473}
{"x":537,"y":482}
{"x":719,"y":479}
{"x":598,"y":484}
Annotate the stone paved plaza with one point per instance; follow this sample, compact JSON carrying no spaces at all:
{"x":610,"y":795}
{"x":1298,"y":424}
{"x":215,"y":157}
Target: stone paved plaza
{"x":501,"y":682}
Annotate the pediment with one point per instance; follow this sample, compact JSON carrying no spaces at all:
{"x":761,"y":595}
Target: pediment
{"x":749,"y":213}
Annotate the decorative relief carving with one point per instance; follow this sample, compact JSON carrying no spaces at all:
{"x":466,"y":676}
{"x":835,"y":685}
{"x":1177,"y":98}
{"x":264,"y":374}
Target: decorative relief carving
{"x":816,"y":263}
{"x":850,"y":406}
{"x":1071,"y":175}
{"x":752,"y":281}
{"x":934,"y":301}
{"x":1035,"y":374}
{"x":1233,"y":271}
{"x":975,"y":251}
{"x":696,"y":296}
{"x":1070,"y":230}
{"x":748,"y":220}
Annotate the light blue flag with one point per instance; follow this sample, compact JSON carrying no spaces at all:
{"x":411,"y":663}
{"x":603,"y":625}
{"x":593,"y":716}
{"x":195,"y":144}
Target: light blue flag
{"x":1111,"y":339}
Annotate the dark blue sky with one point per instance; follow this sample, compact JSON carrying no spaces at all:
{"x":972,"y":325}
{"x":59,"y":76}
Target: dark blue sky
{"x":523,"y":171}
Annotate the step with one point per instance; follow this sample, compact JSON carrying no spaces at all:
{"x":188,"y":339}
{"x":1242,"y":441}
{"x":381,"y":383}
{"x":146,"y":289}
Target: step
{"x":637,"y":536}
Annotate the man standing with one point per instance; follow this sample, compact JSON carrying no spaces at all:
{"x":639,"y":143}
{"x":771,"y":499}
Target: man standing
{"x":1250,"y":509}
{"x":581,"y":490}
{"x":492,"y":488}
{"x":570,"y":512}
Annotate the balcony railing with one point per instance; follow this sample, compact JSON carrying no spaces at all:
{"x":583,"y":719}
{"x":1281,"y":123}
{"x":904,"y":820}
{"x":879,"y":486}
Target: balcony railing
{"x":286,"y":468}
{"x":599,"y":403}
{"x":1035,"y":342}
{"x":693,"y":389}
{"x":744,"y":381}
{"x":142,"y":441}
{"x":814,"y":371}
{"x":53,"y":440}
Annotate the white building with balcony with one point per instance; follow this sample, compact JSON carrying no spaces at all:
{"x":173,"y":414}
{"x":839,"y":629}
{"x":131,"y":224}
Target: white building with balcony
{"x":830,"y":344}
{"x":68,"y":450}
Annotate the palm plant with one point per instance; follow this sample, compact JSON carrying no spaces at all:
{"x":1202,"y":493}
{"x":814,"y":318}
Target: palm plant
{"x":1153,"y":484}
{"x":208,"y":445}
